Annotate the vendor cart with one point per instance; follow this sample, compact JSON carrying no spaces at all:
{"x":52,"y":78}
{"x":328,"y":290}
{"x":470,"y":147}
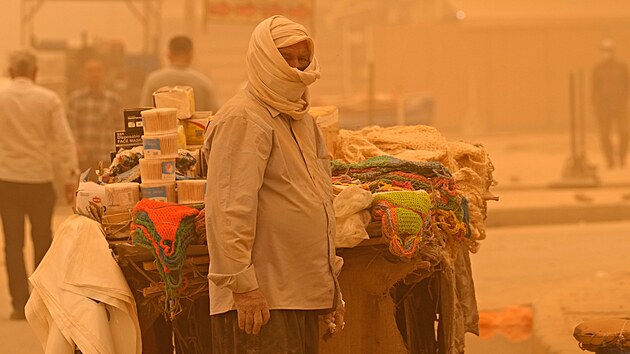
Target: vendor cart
{"x":393,"y":306}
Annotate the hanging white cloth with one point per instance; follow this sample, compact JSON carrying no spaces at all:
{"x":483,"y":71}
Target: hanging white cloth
{"x":80,"y":296}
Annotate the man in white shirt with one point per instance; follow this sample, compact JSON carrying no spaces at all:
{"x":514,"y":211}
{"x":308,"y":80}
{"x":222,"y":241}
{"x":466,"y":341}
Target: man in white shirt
{"x":35,"y":139}
{"x":180,"y":73}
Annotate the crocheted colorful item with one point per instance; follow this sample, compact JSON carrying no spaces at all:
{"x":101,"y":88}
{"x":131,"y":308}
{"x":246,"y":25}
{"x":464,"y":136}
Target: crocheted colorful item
{"x":381,"y":171}
{"x":404,"y":216}
{"x":166,"y":229}
{"x":386,"y":173}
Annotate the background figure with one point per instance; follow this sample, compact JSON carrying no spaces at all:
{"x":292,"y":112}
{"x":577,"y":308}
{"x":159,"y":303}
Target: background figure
{"x":94,"y":114}
{"x":179,"y":72}
{"x":272,"y":274}
{"x":610,"y":100}
{"x":34,"y":135}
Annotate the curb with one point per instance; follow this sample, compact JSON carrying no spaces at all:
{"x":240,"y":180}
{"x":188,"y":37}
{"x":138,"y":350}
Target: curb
{"x":557,"y":214}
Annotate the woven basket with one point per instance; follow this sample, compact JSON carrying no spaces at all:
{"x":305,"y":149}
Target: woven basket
{"x":603,"y":333}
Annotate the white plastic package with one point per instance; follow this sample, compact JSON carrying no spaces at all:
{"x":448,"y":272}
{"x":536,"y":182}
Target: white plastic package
{"x":352,"y":216}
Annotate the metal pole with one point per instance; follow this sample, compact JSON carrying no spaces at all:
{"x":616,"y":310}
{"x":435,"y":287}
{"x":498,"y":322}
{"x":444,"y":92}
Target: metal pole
{"x":580,"y":116}
{"x":371,"y":93}
{"x":572,"y":122}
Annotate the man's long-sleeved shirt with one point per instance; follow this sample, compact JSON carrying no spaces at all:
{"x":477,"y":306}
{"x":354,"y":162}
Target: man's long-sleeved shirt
{"x":269,"y":214}
{"x":203,"y":89}
{"x":34,"y":134}
{"x":94,"y":117}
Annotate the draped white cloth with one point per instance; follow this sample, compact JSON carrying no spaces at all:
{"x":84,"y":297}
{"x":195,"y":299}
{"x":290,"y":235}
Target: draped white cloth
{"x":80,"y":296}
{"x":270,"y":77}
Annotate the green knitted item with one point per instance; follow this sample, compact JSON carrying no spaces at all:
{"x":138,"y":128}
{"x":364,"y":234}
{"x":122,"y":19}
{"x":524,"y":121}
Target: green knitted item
{"x":430,"y":176}
{"x":407,"y":219}
{"x":404,"y":216}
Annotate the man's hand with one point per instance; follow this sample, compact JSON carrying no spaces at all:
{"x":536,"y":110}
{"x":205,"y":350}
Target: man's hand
{"x":335,"y":321}
{"x":252,"y":309}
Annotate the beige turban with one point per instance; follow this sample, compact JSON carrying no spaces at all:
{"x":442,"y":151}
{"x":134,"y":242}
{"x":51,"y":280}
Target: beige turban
{"x":270,"y":77}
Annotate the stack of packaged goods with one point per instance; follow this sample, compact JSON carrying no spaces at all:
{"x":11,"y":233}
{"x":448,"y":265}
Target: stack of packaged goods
{"x":190,"y":129}
{"x":193,"y":191}
{"x":157,"y":168}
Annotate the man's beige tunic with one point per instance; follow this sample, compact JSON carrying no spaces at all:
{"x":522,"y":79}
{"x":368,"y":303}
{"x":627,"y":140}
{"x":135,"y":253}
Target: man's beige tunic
{"x":269,"y":210}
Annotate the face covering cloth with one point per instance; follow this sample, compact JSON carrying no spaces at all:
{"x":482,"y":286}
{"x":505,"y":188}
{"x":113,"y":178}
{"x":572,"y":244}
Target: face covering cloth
{"x":270,"y":77}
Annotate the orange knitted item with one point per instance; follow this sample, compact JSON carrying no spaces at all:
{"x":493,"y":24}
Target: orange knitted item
{"x":167,"y":229}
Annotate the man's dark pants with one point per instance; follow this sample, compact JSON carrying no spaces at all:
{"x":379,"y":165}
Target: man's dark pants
{"x":18,"y":200}
{"x":288,"y":331}
{"x":614,"y":121}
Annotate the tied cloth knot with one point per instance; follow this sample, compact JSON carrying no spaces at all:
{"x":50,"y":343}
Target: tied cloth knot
{"x":166,"y":229}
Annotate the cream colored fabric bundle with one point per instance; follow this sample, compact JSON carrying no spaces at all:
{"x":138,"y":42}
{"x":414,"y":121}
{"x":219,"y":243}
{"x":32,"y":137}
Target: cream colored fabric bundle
{"x":80,"y":296}
{"x":270,"y":77}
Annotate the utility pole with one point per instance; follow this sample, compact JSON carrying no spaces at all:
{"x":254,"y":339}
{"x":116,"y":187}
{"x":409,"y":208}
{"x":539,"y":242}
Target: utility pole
{"x":578,"y":172}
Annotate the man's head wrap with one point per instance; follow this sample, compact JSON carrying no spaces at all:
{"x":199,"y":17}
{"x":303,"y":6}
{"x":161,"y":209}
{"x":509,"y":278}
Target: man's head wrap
{"x":271,"y":79}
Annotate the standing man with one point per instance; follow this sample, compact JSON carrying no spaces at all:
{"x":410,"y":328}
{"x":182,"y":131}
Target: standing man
{"x":610,"y":100}
{"x":270,"y":220}
{"x":34,"y":133}
{"x":180,"y":56}
{"x":94,"y":113}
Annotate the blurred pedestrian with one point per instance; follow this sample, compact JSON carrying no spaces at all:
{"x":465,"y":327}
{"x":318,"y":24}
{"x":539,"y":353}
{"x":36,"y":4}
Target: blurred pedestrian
{"x":34,"y":135}
{"x":179,"y":72}
{"x":270,"y":221}
{"x":94,"y":114}
{"x":610,"y":100}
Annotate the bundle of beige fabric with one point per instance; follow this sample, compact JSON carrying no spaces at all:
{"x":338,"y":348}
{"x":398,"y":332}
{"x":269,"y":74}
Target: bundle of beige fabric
{"x":469,"y":163}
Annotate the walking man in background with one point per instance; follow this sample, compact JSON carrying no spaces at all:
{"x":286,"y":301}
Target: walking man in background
{"x":34,"y":137}
{"x":269,"y":219}
{"x":610,"y":100}
{"x":180,"y":73}
{"x":94,"y":114}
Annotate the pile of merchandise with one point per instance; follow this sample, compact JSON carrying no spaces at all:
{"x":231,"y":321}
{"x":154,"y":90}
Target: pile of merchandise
{"x":427,"y":197}
{"x":468,"y":166}
{"x":152,"y":194}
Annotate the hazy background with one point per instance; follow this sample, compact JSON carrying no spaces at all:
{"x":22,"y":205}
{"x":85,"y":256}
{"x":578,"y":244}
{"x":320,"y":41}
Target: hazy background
{"x":494,"y":72}
{"x":466,"y":66}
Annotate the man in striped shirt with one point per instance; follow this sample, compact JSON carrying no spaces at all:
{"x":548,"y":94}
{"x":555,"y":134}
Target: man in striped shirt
{"x":94,"y":114}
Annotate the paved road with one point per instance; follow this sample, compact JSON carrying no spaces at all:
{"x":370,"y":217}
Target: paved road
{"x":566,"y":273}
